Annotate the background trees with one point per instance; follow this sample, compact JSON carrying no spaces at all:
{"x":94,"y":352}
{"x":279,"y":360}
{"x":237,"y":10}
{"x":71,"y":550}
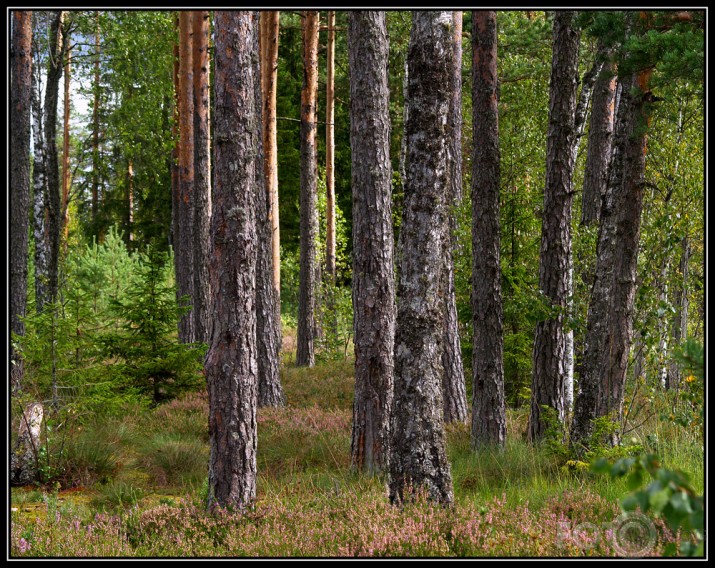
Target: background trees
{"x":121,"y":131}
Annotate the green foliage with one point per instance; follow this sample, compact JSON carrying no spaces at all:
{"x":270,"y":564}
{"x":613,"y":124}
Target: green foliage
{"x":150,"y":360}
{"x":670,"y":495}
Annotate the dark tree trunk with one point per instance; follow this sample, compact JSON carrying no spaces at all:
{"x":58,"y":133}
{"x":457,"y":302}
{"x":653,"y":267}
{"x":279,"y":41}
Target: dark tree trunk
{"x":549,"y":356}
{"x":418,"y":457}
{"x":610,"y":313}
{"x":39,"y":184}
{"x":54,"y":74}
{"x":373,"y":274}
{"x":202,"y":174}
{"x":453,"y":387}
{"x":64,"y":205}
{"x":268,"y":333}
{"x":231,"y":368}
{"x":185,"y":214}
{"x":488,"y":404}
{"x":95,"y":125}
{"x":308,"y":193}
{"x":21,"y":103}
{"x":600,"y":137}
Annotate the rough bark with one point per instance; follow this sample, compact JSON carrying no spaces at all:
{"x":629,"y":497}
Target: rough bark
{"x":95,"y":122}
{"x":373,"y":274}
{"x":175,"y":225}
{"x":610,"y":313}
{"x":600,"y":138}
{"x":418,"y":458}
{"x":202,"y":174}
{"x":39,"y":185}
{"x":231,"y":367}
{"x":308,"y":193}
{"x":66,"y":148}
{"x":54,"y":221}
{"x":25,"y":454}
{"x":330,"y":149}
{"x":184,"y":251}
{"x":488,"y":404}
{"x":453,"y":388}
{"x":270,"y":146}
{"x":549,"y":355}
{"x":268,"y":334}
{"x":21,"y":103}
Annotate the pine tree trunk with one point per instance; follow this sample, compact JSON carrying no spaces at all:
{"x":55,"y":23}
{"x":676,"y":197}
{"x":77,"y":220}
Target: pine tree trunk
{"x":184,"y":251}
{"x":330,"y":150}
{"x":202,"y":174}
{"x":308,"y":193}
{"x":610,"y":313}
{"x":231,"y":367}
{"x":270,"y":146}
{"x":453,"y":387}
{"x":600,"y":138}
{"x":373,"y":273}
{"x":95,"y":124}
{"x":549,"y":356}
{"x":268,"y":334}
{"x":175,"y":225}
{"x":418,"y":457}
{"x":488,"y":404}
{"x":66,"y":149}
{"x":39,"y":184}
{"x":54,"y":74}
{"x":21,"y":103}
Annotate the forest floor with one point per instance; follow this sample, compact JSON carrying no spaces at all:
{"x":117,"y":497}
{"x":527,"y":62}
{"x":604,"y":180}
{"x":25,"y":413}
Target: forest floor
{"x":140,"y":487}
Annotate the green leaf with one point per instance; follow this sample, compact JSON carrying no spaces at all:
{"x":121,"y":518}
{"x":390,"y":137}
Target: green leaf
{"x":601,"y":465}
{"x":635,"y":479}
{"x":659,"y":499}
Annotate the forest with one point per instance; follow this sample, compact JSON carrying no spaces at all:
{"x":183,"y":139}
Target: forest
{"x":356,"y":283}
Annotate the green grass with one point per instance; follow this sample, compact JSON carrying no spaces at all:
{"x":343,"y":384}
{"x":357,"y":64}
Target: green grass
{"x":147,"y":473}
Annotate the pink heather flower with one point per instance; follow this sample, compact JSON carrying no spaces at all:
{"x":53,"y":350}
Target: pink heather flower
{"x":23,"y":545}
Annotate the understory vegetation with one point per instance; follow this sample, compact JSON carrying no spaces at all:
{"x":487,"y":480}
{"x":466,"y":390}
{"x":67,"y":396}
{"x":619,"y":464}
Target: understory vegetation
{"x":134,"y":484}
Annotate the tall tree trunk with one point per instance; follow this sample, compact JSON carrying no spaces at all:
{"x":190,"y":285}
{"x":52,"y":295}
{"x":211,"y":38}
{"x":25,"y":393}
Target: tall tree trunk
{"x":662,"y":283}
{"x":66,"y":148}
{"x":175,"y":225}
{"x":130,"y":201}
{"x":330,"y":149}
{"x":268,"y":333}
{"x":39,"y":184}
{"x":373,"y":274}
{"x":184,"y":256}
{"x":453,"y":387}
{"x":584,"y":99}
{"x":21,"y":103}
{"x":308,"y":192}
{"x":54,"y":74}
{"x":270,"y":146}
{"x":549,"y":357}
{"x":231,"y":367}
{"x":488,"y":404}
{"x":418,"y":457}
{"x":610,"y":312}
{"x":680,"y":321}
{"x":95,"y":124}
{"x":202,"y":174}
{"x":600,"y":138}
